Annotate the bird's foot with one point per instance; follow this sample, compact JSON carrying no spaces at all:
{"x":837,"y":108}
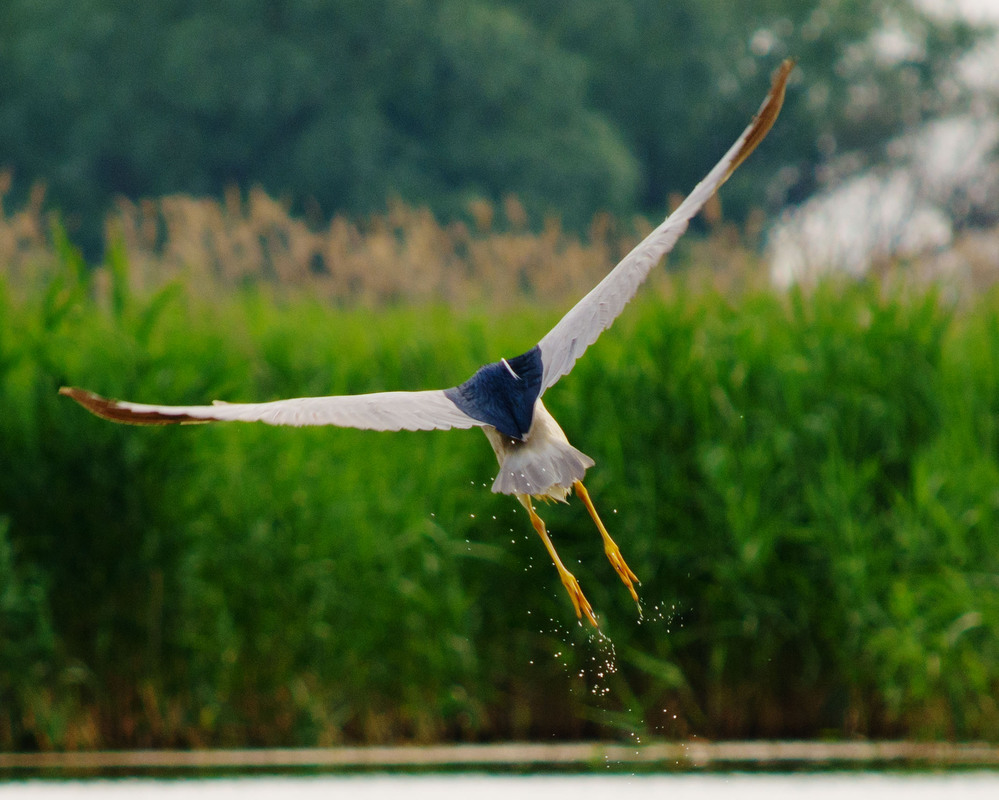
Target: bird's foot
{"x":579,"y":601}
{"x":610,"y":546}
{"x":621,"y":567}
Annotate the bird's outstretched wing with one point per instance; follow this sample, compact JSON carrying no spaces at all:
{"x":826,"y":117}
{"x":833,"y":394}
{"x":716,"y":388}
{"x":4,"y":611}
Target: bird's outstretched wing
{"x":578,"y":329}
{"x":383,"y":411}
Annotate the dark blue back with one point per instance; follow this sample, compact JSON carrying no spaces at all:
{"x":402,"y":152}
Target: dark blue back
{"x":494,"y":396}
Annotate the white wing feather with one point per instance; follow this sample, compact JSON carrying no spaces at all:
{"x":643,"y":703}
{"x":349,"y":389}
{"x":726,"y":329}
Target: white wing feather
{"x":577,"y":330}
{"x":383,"y":411}
{"x":432,"y":410}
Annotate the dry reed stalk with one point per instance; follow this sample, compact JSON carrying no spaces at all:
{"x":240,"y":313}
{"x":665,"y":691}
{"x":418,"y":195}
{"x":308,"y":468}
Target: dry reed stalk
{"x":964,"y":271}
{"x":405,"y":255}
{"x":24,"y":240}
{"x":402,"y":255}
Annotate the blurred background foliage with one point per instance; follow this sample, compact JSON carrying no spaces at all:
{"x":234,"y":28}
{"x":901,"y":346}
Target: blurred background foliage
{"x":805,"y":482}
{"x":574,"y":107}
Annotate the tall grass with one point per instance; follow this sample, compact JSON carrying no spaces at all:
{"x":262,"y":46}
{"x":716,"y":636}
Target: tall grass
{"x":806,"y":484}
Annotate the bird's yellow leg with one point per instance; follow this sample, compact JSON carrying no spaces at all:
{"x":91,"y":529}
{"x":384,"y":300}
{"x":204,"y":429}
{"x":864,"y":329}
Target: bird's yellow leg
{"x":610,"y":546}
{"x":579,"y":601}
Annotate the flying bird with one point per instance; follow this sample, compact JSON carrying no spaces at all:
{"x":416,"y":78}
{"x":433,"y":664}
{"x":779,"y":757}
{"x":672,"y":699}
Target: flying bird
{"x":535,"y":458}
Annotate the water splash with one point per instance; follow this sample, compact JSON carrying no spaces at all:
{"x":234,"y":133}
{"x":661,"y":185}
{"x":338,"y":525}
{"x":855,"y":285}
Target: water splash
{"x":589,"y":658}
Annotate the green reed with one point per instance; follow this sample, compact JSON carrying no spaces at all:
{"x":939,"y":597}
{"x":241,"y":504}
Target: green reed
{"x":805,"y":482}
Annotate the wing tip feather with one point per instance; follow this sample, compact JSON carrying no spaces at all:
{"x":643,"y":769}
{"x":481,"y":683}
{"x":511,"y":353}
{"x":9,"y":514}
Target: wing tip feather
{"x":766,"y":116}
{"x":112,"y":410}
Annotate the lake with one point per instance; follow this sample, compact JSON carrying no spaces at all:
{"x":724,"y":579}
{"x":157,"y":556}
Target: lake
{"x":883,"y":786}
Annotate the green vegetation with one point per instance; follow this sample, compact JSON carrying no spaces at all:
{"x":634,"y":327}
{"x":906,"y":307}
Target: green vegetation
{"x":805,"y":483}
{"x":576,"y":106}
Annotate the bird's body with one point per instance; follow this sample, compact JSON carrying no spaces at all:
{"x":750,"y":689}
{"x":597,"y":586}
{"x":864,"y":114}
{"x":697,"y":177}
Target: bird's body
{"x":543,"y":464}
{"x":503,"y":398}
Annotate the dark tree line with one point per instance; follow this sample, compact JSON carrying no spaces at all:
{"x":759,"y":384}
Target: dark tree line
{"x":573,"y":105}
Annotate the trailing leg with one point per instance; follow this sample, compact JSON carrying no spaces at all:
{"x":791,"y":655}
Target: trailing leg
{"x":579,"y":601}
{"x":610,"y":546}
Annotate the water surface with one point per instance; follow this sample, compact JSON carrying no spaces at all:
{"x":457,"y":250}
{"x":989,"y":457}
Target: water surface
{"x":883,"y":786}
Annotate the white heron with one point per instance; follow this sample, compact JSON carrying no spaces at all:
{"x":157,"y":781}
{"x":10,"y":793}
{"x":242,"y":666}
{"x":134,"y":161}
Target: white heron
{"x":504,"y":398}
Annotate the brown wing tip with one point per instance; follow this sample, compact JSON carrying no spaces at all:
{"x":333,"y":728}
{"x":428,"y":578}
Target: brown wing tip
{"x":767,"y":115}
{"x":110,"y":409}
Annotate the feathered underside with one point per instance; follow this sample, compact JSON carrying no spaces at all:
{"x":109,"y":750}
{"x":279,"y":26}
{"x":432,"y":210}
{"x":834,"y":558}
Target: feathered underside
{"x":381,"y":411}
{"x":542,"y":465}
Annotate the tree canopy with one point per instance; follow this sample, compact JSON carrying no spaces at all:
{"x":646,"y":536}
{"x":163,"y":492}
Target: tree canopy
{"x":575,"y":106}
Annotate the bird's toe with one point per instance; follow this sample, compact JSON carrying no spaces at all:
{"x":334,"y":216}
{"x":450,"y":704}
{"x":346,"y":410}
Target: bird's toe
{"x":579,"y":601}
